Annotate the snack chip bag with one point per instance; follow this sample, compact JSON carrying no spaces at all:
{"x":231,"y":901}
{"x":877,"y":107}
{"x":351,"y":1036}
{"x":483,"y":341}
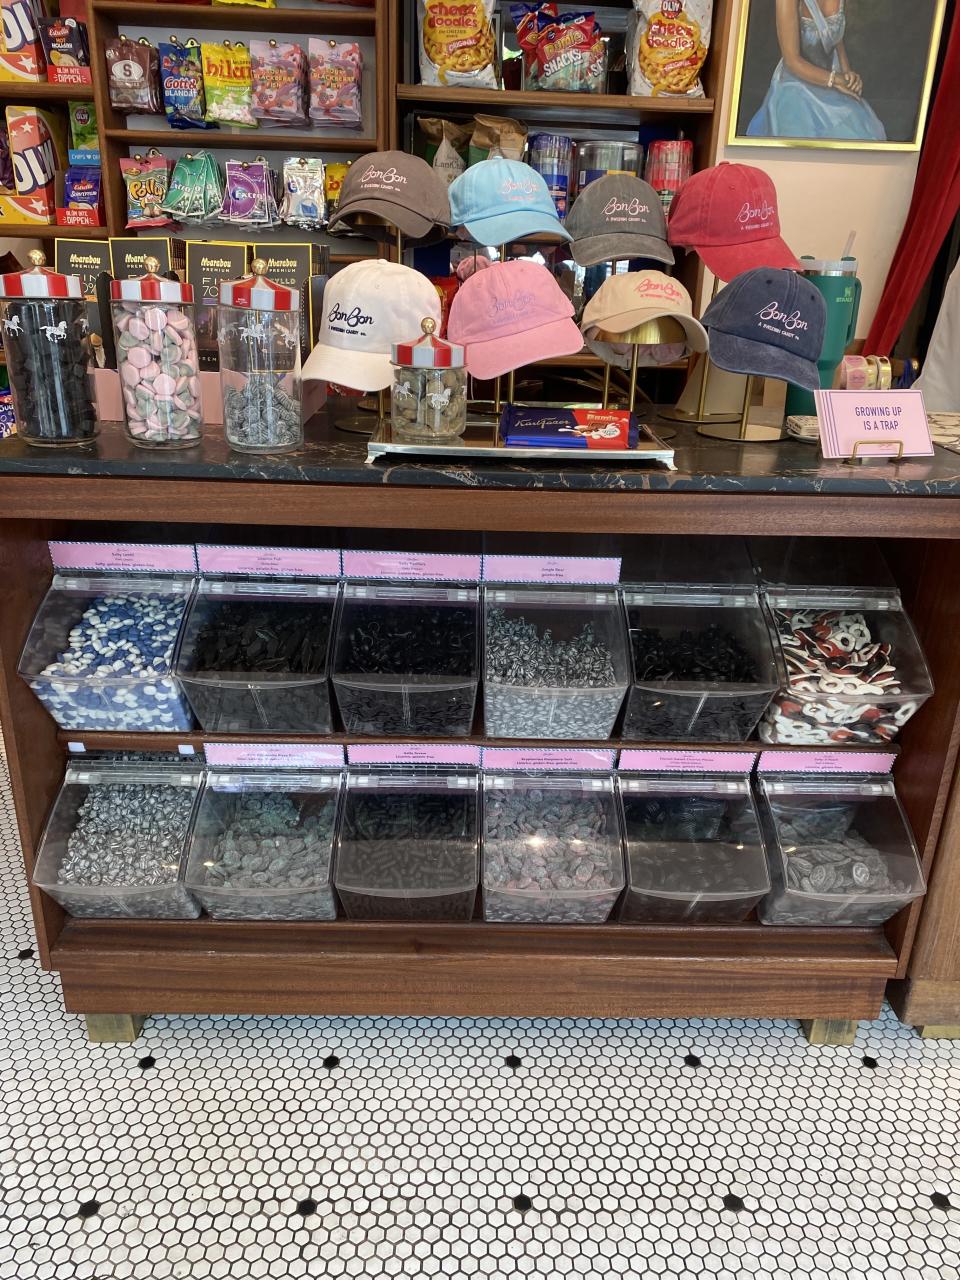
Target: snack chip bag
{"x":336,"y":77}
{"x":146,"y":181}
{"x":457,"y":42}
{"x":667,"y":43}
{"x":64,"y":42}
{"x":81,"y":189}
{"x":279,"y":74}
{"x":181,"y":79}
{"x":570,"y":55}
{"x":228,"y":82}
{"x":133,"y":75}
{"x":83,"y":126}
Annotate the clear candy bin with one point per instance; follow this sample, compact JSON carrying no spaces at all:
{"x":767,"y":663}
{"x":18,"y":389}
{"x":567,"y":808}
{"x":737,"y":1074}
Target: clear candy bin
{"x":555,"y":662}
{"x":694,"y":849}
{"x":408,"y":845}
{"x":703,"y":665}
{"x":406,"y":659}
{"x":841,"y":851}
{"x":99,"y":654}
{"x":552,"y":852}
{"x":115,"y":841}
{"x":262,"y":845}
{"x":253,"y":655}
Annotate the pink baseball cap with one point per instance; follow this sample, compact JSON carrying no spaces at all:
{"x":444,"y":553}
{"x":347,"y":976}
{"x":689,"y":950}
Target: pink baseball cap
{"x":511,"y":315}
{"x":728,"y":214}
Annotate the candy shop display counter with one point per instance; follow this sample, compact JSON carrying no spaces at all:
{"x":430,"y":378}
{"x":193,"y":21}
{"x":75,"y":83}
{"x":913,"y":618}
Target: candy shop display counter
{"x":115,"y":971}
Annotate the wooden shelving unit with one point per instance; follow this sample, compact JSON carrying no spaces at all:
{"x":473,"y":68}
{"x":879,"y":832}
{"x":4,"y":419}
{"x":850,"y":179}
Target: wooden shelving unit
{"x":17,"y":90}
{"x":256,"y":140}
{"x":47,"y":231}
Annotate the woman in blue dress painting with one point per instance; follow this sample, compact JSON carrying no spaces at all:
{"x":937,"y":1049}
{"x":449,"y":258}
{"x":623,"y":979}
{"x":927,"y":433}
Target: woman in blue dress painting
{"x":814,"y":93}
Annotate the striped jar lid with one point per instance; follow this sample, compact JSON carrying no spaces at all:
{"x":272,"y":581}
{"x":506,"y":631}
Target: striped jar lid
{"x":151,"y":287}
{"x":256,"y":293}
{"x":428,"y":351}
{"x":38,"y":282}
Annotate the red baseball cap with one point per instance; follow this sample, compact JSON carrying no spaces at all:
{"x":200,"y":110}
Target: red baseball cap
{"x":728,"y":214}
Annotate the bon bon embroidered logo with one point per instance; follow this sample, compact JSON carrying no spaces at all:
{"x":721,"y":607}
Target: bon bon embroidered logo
{"x":632,"y":208}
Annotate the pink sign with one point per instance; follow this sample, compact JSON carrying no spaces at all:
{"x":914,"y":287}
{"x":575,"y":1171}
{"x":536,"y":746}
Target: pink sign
{"x":826,"y":761}
{"x":413,"y":753}
{"x":547,"y":759}
{"x":134,"y":557}
{"x":688,"y":761}
{"x":563,"y":570}
{"x":411,"y":566}
{"x":270,"y":562}
{"x":274,"y":755}
{"x":877,"y":424}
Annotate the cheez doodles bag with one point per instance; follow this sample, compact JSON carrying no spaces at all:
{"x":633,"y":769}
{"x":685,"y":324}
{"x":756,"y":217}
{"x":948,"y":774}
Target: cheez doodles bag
{"x":457,"y":43}
{"x":667,"y":45}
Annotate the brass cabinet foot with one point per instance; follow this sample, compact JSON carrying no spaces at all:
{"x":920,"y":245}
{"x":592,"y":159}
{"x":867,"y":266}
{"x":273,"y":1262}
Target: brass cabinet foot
{"x":939,"y":1031}
{"x":829,"y":1030}
{"x":114,"y":1028}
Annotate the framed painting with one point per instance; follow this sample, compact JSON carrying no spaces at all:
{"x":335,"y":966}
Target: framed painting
{"x":852,"y":74}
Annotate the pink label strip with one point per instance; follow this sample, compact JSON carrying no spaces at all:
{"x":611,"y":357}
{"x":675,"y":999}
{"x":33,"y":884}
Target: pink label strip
{"x":411,"y":567}
{"x":826,"y":761}
{"x":413,"y":753}
{"x":688,"y":761}
{"x":279,"y":562}
{"x":135,"y":557}
{"x":548,"y":759}
{"x":274,"y":755}
{"x":564,"y":570}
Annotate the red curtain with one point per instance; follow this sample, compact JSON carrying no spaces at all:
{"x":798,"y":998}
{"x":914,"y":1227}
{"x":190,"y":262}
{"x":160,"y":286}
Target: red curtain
{"x":936,"y":199}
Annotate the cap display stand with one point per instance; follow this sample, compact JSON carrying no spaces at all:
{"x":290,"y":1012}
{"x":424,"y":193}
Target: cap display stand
{"x":756,"y":426}
{"x":702,"y":413}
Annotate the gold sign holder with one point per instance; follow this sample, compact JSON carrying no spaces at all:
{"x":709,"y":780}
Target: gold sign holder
{"x":856,"y":460}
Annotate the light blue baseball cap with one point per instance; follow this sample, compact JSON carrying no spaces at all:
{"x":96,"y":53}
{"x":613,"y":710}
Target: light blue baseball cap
{"x":499,"y":201}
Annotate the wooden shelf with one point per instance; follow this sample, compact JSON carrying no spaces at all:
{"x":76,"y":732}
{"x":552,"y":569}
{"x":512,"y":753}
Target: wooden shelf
{"x":247,"y":139}
{"x":476,"y":969}
{"x":25,"y":230}
{"x":341,"y":20}
{"x":579,"y":108}
{"x":11,"y":90}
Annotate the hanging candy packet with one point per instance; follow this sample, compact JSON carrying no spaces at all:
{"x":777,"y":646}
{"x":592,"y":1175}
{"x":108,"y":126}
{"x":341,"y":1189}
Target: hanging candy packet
{"x":146,"y":181}
{"x":336,"y":77}
{"x":279,"y":74}
{"x":304,"y":204}
{"x":228,"y":83}
{"x":133,"y":75}
{"x":196,"y":190}
{"x":249,"y":198}
{"x":181,"y":81}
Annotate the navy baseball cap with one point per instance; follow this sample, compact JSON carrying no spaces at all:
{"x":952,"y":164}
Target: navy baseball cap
{"x":768,"y":322}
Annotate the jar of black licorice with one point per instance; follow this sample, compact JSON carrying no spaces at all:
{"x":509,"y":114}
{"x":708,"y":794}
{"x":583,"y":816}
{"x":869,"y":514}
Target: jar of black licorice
{"x":258,"y":334}
{"x":45,"y":338}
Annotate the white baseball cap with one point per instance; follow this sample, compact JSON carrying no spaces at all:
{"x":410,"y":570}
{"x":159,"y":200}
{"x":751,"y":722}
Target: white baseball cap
{"x":368,"y":307}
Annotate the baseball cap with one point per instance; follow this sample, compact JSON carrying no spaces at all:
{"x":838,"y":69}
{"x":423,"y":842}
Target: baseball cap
{"x":500,"y":200}
{"x":769,"y":323}
{"x":510,"y":315}
{"x":728,"y":214}
{"x":618,"y":216}
{"x":624,"y":301}
{"x":367,"y":307}
{"x":403,"y":190}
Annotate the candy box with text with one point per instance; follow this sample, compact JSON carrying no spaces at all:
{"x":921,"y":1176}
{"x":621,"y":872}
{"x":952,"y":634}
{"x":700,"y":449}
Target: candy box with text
{"x":21,"y":52}
{"x":38,"y":148}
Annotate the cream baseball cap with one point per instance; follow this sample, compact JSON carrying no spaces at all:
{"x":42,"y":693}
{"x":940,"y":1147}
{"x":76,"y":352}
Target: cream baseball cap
{"x":625,"y":301}
{"x":368,"y":307}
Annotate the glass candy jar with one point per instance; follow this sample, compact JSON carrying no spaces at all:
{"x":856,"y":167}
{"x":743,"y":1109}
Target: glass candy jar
{"x":429,"y":397}
{"x":157,"y":359}
{"x":45,"y":337}
{"x":258,"y":333}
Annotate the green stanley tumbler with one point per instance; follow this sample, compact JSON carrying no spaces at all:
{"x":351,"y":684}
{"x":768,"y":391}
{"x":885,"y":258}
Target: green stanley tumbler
{"x":838,"y":283}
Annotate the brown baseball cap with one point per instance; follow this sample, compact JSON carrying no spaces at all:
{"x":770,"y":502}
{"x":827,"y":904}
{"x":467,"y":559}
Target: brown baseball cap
{"x":403,"y":190}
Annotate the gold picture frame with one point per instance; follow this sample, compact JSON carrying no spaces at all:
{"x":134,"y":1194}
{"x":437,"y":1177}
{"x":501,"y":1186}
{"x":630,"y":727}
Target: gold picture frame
{"x":921,"y":97}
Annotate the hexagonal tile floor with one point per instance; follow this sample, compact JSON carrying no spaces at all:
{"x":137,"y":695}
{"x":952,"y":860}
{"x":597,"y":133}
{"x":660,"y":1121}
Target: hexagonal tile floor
{"x":377,"y":1147}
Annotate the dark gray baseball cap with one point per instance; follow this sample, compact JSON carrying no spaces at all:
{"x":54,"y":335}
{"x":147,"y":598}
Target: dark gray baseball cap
{"x":768,"y":322}
{"x":618,"y":216}
{"x":403,"y":190}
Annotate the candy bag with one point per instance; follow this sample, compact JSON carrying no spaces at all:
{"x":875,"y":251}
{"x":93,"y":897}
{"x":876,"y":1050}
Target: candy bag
{"x":228,"y":83}
{"x":181,"y":79}
{"x":146,"y":181}
{"x":333,"y":181}
{"x":667,"y":43}
{"x":279,"y":74}
{"x":336,"y":78}
{"x":133,"y":75}
{"x":196,"y":191}
{"x":304,"y":204}
{"x":83,"y":126}
{"x":6,"y":163}
{"x":249,"y":198}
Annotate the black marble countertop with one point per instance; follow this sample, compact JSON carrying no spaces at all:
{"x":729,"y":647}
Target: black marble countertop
{"x":332,"y":456}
